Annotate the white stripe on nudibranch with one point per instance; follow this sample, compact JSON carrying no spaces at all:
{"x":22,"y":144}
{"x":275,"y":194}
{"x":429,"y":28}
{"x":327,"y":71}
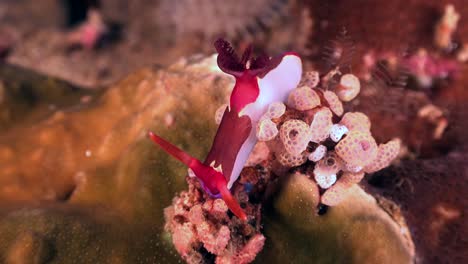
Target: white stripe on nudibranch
{"x":275,"y":86}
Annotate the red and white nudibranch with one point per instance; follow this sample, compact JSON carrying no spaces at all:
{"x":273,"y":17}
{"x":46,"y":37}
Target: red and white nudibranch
{"x":260,"y":82}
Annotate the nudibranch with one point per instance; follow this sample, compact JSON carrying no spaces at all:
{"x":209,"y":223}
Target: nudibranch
{"x":259,"y":82}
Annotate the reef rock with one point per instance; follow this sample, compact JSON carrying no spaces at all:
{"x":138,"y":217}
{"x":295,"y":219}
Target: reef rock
{"x":357,"y":230}
{"x":82,"y":181}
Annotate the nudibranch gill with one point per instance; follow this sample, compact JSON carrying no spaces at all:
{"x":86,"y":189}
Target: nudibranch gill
{"x":259,"y":82}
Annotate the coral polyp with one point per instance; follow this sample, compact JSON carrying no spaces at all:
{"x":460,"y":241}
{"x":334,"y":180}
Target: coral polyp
{"x":339,"y":146}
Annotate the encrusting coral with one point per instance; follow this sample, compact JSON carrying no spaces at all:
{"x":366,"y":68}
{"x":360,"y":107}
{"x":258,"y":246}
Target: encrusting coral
{"x":341,"y":150}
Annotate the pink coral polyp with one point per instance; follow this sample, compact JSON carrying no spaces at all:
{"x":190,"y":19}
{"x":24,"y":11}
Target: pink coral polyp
{"x":303,"y":98}
{"x":356,"y":121}
{"x":321,"y":125}
{"x":333,"y":102}
{"x":357,"y":149}
{"x":386,"y":154}
{"x":295,"y":136}
{"x":340,"y":189}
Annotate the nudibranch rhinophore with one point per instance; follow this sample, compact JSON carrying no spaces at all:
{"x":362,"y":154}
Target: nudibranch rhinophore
{"x":260,"y":82}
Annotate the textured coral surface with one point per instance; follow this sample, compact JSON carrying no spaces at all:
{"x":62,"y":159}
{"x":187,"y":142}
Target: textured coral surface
{"x":85,"y":183}
{"x":356,"y":231}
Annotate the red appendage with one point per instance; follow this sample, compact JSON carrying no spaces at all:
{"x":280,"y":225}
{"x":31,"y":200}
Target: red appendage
{"x":213,"y":181}
{"x":245,"y":70}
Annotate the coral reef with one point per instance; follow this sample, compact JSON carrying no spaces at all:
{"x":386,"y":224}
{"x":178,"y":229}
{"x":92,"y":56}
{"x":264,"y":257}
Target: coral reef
{"x":134,"y":182}
{"x":107,"y":196}
{"x":339,"y":154}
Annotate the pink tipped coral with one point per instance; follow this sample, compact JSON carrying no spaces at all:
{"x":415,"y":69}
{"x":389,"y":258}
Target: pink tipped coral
{"x":318,"y":153}
{"x":348,"y":88}
{"x":303,"y":98}
{"x":385,"y":155}
{"x":356,"y":121}
{"x":321,"y":125}
{"x":335,"y":105}
{"x":199,"y":225}
{"x":289,"y":160}
{"x":358,"y":149}
{"x":337,"y":132}
{"x":310,"y":79}
{"x":340,"y":153}
{"x":295,"y":136}
{"x":338,"y":192}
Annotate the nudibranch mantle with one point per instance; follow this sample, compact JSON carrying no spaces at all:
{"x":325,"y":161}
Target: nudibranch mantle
{"x":259,"y":82}
{"x":275,"y":86}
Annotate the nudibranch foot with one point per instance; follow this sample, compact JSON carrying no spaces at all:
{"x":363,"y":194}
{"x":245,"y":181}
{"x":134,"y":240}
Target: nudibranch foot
{"x":213,"y":182}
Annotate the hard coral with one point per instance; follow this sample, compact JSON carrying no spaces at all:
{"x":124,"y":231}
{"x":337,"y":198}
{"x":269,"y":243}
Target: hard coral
{"x":340,"y":152}
{"x":321,"y":125}
{"x":357,"y":149}
{"x":295,"y":136}
{"x":303,"y":98}
{"x":349,"y":87}
{"x":202,"y":228}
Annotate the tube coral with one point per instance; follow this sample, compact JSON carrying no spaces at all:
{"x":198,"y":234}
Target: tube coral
{"x":340,"y":151}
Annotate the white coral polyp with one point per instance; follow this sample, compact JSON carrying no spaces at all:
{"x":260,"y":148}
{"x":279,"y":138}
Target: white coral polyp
{"x":318,"y":153}
{"x":325,"y":181}
{"x":326,"y":169}
{"x":337,"y":132}
{"x":266,"y":130}
{"x":275,"y":110}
